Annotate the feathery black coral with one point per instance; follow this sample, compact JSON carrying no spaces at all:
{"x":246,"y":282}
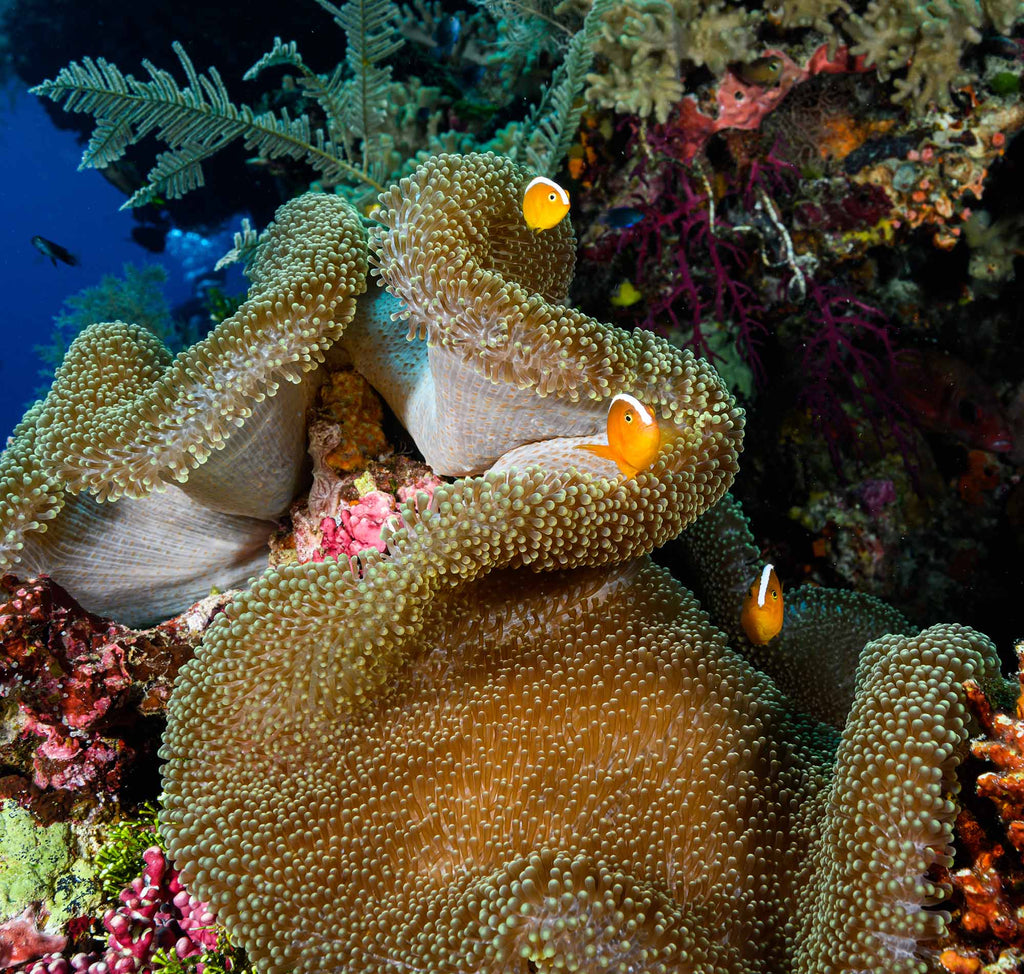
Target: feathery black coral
{"x":197,"y":120}
{"x":371,"y":32}
{"x":556,"y":118}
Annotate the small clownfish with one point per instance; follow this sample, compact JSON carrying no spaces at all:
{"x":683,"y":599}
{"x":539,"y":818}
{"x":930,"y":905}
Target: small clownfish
{"x":634,"y":437}
{"x":761,"y":617}
{"x":545,"y":204}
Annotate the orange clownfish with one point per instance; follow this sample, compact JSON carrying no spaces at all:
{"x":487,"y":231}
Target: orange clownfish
{"x":762,"y":608}
{"x":545,"y":204}
{"x":634,"y":437}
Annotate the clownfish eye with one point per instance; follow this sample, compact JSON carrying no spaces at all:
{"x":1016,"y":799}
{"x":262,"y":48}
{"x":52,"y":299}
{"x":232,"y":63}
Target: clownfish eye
{"x":552,"y":198}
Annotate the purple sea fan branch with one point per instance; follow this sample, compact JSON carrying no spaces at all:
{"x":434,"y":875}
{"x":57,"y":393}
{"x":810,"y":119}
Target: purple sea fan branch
{"x":849,"y":357}
{"x":705,"y":271}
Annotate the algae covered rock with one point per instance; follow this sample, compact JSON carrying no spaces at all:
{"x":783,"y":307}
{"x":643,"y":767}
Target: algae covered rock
{"x":40,"y":864}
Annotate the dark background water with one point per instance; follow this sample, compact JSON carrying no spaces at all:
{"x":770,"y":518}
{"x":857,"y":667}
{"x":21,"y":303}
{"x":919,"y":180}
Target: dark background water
{"x":43,"y":193}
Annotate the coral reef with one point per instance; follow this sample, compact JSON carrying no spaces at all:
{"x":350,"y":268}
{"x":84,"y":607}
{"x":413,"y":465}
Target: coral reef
{"x":781,"y":215}
{"x":648,"y":48}
{"x":459,"y":721}
{"x":67,"y":673}
{"x":643,"y":45}
{"x":348,"y":752}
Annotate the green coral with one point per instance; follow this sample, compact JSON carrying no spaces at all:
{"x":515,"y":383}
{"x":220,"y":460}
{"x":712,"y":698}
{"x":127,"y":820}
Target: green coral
{"x":39,"y":864}
{"x":646,"y":47}
{"x":917,"y":44}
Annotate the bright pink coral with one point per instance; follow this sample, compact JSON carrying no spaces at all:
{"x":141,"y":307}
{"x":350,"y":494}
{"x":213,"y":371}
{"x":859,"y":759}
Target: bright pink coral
{"x":363,"y":521}
{"x":156,"y":913}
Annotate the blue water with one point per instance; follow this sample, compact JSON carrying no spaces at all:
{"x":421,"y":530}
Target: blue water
{"x":43,"y":193}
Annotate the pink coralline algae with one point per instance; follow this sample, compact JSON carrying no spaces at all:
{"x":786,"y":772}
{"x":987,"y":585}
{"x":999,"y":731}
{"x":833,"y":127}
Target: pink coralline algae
{"x":156,"y":913}
{"x":21,"y":939}
{"x":357,"y":526}
{"x":68,"y":673}
{"x":78,"y":682}
{"x":67,"y":763}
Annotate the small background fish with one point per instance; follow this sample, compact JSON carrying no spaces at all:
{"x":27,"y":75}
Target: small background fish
{"x":54,"y":251}
{"x":763,"y":71}
{"x":621,"y":217}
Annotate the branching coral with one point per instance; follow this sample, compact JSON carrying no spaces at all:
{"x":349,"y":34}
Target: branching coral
{"x":987,"y":924}
{"x":644,"y":44}
{"x":927,"y":40}
{"x":225,"y":419}
{"x":648,"y":47}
